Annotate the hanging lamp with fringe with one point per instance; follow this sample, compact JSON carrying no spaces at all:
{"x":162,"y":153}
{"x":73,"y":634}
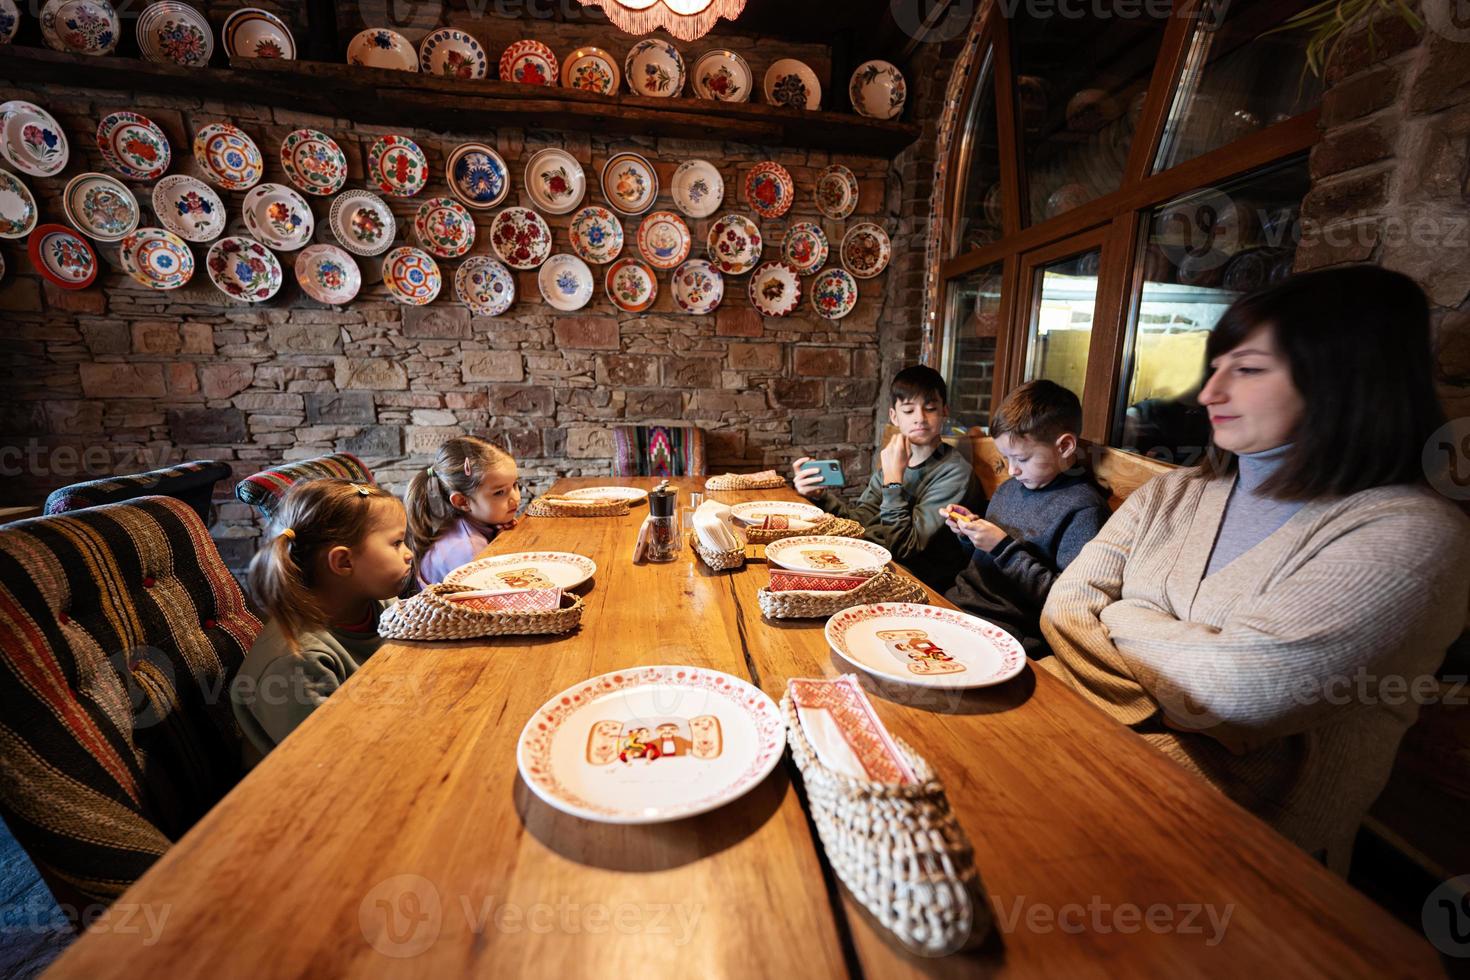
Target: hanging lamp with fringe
{"x":686,"y":20}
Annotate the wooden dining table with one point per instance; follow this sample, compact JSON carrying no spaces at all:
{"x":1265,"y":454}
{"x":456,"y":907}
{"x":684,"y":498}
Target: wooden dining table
{"x":392,"y":834}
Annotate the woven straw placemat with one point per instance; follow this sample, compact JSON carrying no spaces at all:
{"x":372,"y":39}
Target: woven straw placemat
{"x":886,"y":586}
{"x":718,"y":560}
{"x":743,"y":481}
{"x":430,"y":616}
{"x":541,"y":507}
{"x":829,"y":525}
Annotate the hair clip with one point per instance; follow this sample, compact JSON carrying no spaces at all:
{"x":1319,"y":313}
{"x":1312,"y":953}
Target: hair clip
{"x":362,"y":491}
{"x":467,"y":469}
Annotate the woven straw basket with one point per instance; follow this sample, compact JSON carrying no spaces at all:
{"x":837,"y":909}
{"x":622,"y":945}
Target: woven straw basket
{"x":718,"y":560}
{"x":430,"y":616}
{"x":898,"y":849}
{"x":541,"y":507}
{"x":831,"y":526}
{"x":743,"y":481}
{"x":886,"y":586}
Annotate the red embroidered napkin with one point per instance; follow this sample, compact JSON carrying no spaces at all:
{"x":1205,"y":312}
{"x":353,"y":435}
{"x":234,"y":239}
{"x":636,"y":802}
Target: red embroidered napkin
{"x":517,"y":600}
{"x":788,"y":580}
{"x":845,"y":732}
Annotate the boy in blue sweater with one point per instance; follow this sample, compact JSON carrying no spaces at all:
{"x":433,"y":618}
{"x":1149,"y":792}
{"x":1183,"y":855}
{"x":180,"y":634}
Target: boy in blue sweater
{"x":1036,"y":522}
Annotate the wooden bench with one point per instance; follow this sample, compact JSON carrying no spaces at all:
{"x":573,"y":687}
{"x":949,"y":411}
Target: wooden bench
{"x":1116,"y":471}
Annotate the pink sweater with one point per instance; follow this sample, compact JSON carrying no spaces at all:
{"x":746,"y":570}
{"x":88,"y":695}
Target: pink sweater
{"x":461,"y":543}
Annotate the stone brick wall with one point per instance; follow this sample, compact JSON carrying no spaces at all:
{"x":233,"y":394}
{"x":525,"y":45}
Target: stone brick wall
{"x":118,"y":378}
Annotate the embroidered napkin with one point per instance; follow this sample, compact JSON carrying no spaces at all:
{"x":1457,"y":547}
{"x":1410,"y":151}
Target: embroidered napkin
{"x":780,"y":522}
{"x":789,"y":580}
{"x":845,"y":732}
{"x":509,"y":600}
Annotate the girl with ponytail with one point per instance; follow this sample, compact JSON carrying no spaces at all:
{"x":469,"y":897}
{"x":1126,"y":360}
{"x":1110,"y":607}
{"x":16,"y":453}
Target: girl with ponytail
{"x":458,"y":505}
{"x":337,"y":556}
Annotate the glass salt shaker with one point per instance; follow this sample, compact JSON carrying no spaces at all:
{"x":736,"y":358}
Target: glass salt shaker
{"x":663,"y":524}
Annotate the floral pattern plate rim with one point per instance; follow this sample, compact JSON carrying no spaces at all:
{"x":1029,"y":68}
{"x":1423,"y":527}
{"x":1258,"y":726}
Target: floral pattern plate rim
{"x":157,"y":259}
{"x":62,"y":256}
{"x":328,"y":274}
{"x":278,"y":216}
{"x":986,"y":653}
{"x":664,"y":239}
{"x":631,"y":285}
{"x":372,"y":228}
{"x":775,"y":289}
{"x":228,"y":156}
{"x":485,"y":285}
{"x":877,"y":90}
{"x":852,"y":553}
{"x":834,"y":294}
{"x":445,"y":228}
{"x":698,"y":287}
{"x":722,"y":76}
{"x":133,"y":145}
{"x":177,"y":197}
{"x":749,"y":741}
{"x":172,"y":32}
{"x":251,"y":32}
{"x":87,"y":27}
{"x":18,"y":210}
{"x":313,"y":162}
{"x":596,"y":234}
{"x":565,"y":569}
{"x":836,"y":191}
{"x":565,"y":282}
{"x":378,"y":47}
{"x":805,"y":247}
{"x":555,"y":181}
{"x":477,"y":175}
{"x":101,"y":207}
{"x":452,"y":52}
{"x":866,"y":250}
{"x":734,"y":244}
{"x":524,"y":234}
{"x":412,"y":276}
{"x":636,"y":186}
{"x":697,"y":188}
{"x":769,"y":189}
{"x":654,"y":68}
{"x":32,"y":140}
{"x":397,"y":166}
{"x":244,"y":269}
{"x":529,"y":63}
{"x":591,"y":69}
{"x":792,"y":83}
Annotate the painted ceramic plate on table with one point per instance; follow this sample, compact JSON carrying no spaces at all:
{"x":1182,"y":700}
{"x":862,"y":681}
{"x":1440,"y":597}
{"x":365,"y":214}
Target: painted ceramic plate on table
{"x":378,"y":47}
{"x":328,"y":274}
{"x":411,"y":275}
{"x":80,"y":26}
{"x":768,"y":189}
{"x":243,"y":269}
{"x":631,"y":285}
{"x":565,"y":282}
{"x":134,"y":146}
{"x":484,"y":285}
{"x":18,"y":211}
{"x":362,"y":222}
{"x":596,"y":234}
{"x":525,"y":570}
{"x":836,"y":191}
{"x":444,"y":228}
{"x":697,"y":188}
{"x":189,"y":208}
{"x":651,"y":744}
{"x":313,"y":161}
{"x":278,"y":216}
{"x":827,"y":553}
{"x":654,"y":68}
{"x":157,"y":258}
{"x":664,"y":239}
{"x":805,"y":247}
{"x":629,"y":183}
{"x":834,"y":293}
{"x":32,"y":140}
{"x":866,"y":250}
{"x":397,"y":166}
{"x":632,"y":495}
{"x":555,"y":181}
{"x":454,"y":53}
{"x":100,"y":207}
{"x":775,"y":289}
{"x":722,"y":76}
{"x":530,"y":63}
{"x":591,"y":70}
{"x":254,"y":33}
{"x":698,"y":287}
{"x":734,"y":244}
{"x":228,"y":157}
{"x":62,"y":257}
{"x":755,"y":511}
{"x":925,"y":645}
{"x":791,"y":83}
{"x":521,"y":238}
{"x":877,"y":90}
{"x":172,"y":32}
{"x":477,"y":175}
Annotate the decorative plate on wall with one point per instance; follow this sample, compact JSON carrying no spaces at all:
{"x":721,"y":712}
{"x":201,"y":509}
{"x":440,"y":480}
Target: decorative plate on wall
{"x":134,"y":146}
{"x":836,"y":191}
{"x":397,"y":166}
{"x":244,"y":269}
{"x":228,"y":157}
{"x":775,"y":289}
{"x":722,"y":76}
{"x":555,"y":181}
{"x":31,"y":140}
{"x":313,"y":161}
{"x":734,"y":244}
{"x":591,"y":70}
{"x":254,"y":33}
{"x":654,"y":68}
{"x":362,"y":222}
{"x":9,"y":24}
{"x":278,"y":216}
{"x":453,"y":53}
{"x":791,"y":83}
{"x":565,"y":282}
{"x":805,"y":247}
{"x":412,"y":277}
{"x":189,"y":208}
{"x":629,"y":183}
{"x":485,"y":285}
{"x":62,"y":257}
{"x":520,"y":237}
{"x":596,"y":234}
{"x":697,"y":188}
{"x":768,"y":189}
{"x":866,"y":250}
{"x":157,"y":259}
{"x":444,"y":228}
{"x":477,"y":175}
{"x":631,"y":285}
{"x":18,"y":211}
{"x":530,"y":63}
{"x":100,"y":207}
{"x":172,"y":32}
{"x":877,"y":90}
{"x":80,"y":26}
{"x":664,"y":239}
{"x":698,"y":287}
{"x":328,"y":274}
{"x":834,"y":293}
{"x":378,"y":47}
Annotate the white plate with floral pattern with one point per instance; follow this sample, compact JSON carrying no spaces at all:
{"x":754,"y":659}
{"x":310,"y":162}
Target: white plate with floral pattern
{"x":278,"y":216}
{"x":172,"y":32}
{"x":834,"y":293}
{"x":768,"y":189}
{"x":664,"y":239}
{"x":313,"y":162}
{"x":62,"y":257}
{"x":328,"y":274}
{"x":254,"y":33}
{"x":521,"y":238}
{"x":836,"y":191}
{"x":591,"y":70}
{"x":397,"y":166}
{"x":827,"y":553}
{"x":791,"y":83}
{"x":734,"y":244}
{"x":866,"y":250}
{"x":134,"y":146}
{"x":453,"y":53}
{"x":100,"y":207}
{"x":157,"y":259}
{"x":596,"y":234}
{"x":756,"y":511}
{"x":362,"y":222}
{"x":775,"y":289}
{"x":877,"y":90}
{"x":697,"y":188}
{"x":650,"y":744}
{"x":485,"y":285}
{"x":228,"y":157}
{"x":805,"y":247}
{"x":378,"y":47}
{"x":631,"y":285}
{"x":929,"y":646}
{"x":32,"y":140}
{"x":411,"y":275}
{"x":243,"y":269}
{"x":80,"y":26}
{"x":629,"y":183}
{"x":189,"y":208}
{"x":18,"y":211}
{"x":555,"y":181}
{"x":529,"y":63}
{"x":722,"y":76}
{"x":444,"y":227}
{"x":654,"y":68}
{"x":525,"y":570}
{"x":477,"y":175}
{"x":632,"y":495}
{"x":565,"y":282}
{"x":698,"y":287}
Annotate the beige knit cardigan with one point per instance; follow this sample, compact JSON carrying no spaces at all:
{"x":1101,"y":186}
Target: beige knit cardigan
{"x":1286,"y":678}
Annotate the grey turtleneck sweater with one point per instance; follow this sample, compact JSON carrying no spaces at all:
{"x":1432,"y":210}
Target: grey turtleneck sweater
{"x":1249,"y":515}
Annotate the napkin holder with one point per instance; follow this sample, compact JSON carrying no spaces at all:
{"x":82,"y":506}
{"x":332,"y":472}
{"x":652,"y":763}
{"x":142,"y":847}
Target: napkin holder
{"x":831,"y":526}
{"x":430,"y":615}
{"x":719,"y":561}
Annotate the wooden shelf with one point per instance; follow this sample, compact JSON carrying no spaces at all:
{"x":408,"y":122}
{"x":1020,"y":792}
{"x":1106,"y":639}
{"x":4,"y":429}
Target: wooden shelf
{"x":396,"y":98}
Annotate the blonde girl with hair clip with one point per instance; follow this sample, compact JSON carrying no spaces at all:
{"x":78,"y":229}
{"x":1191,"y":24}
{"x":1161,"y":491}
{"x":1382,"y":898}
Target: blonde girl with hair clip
{"x":459,"y":504}
{"x":337,"y":558}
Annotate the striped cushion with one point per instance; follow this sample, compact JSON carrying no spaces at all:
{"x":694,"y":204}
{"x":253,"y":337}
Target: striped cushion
{"x":265,"y":489}
{"x":120,"y":630}
{"x":658,"y":450}
{"x":191,"y":482}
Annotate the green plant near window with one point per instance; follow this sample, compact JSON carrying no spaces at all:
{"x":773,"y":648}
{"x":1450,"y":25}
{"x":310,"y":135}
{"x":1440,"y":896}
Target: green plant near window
{"x":1330,"y":22}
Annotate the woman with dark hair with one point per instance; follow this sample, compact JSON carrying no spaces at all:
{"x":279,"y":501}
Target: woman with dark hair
{"x":1266,"y":617}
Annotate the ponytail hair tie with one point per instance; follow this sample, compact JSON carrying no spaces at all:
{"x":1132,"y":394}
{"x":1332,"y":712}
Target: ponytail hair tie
{"x":430,"y":470}
{"x":289,"y":534}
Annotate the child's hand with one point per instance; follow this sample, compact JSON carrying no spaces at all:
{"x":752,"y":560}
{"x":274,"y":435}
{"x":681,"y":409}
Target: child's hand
{"x":508,"y":524}
{"x":982,"y":534}
{"x":956,"y":517}
{"x":808,"y":484}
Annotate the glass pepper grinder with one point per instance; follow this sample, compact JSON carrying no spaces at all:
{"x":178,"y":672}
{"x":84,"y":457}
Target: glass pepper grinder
{"x":663,"y":524}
